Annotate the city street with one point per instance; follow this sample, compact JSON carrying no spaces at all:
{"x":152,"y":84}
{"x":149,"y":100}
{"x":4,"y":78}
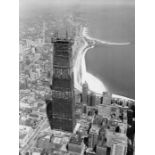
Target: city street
{"x":32,"y":140}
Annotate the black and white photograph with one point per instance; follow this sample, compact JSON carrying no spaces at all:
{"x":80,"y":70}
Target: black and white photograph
{"x":76,"y":77}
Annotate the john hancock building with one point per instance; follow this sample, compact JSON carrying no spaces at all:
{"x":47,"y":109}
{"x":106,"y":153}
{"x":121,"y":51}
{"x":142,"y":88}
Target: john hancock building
{"x":60,"y":109}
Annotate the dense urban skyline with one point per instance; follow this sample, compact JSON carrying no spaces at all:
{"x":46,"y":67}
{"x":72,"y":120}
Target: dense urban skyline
{"x":64,"y":109}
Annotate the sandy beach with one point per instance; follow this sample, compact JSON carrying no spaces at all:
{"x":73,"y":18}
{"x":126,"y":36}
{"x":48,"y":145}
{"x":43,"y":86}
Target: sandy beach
{"x":95,"y":84}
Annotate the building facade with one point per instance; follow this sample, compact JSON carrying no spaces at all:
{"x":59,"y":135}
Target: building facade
{"x":85,"y":93}
{"x":60,"y":110}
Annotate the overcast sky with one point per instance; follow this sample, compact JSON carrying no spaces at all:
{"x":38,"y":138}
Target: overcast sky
{"x":72,"y":2}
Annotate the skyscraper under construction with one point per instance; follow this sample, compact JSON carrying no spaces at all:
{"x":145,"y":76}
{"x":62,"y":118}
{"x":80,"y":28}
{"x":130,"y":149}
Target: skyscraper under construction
{"x":60,"y":109}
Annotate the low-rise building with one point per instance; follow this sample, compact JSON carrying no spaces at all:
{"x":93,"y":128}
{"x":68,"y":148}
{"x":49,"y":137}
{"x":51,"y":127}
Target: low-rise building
{"x":25,"y":133}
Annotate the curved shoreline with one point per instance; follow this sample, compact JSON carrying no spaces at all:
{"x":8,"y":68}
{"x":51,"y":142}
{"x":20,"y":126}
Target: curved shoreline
{"x":89,"y":42}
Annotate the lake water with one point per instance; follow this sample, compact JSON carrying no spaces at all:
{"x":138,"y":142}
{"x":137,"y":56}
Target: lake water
{"x":114,"y":65}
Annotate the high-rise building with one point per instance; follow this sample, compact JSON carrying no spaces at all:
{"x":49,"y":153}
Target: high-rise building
{"x":75,"y":145}
{"x":60,"y":110}
{"x":91,"y":99}
{"x":93,"y":136}
{"x":106,"y":98}
{"x":85,"y":93}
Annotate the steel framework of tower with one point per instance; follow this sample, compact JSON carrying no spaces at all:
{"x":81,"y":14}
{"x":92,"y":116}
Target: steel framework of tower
{"x":60,"y":110}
